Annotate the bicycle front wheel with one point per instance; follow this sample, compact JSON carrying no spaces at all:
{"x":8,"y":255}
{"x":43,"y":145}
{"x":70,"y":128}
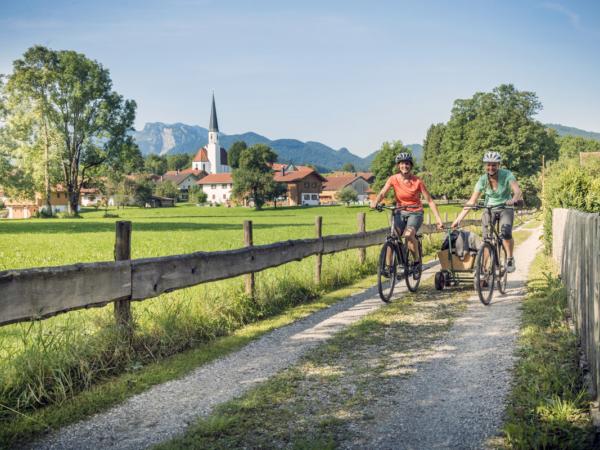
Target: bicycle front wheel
{"x":502,"y":274}
{"x":386,"y":272}
{"x":413,"y":269}
{"x":485,"y":274}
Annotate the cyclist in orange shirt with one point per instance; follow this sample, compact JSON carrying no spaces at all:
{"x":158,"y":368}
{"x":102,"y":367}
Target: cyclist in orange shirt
{"x":407,"y":190}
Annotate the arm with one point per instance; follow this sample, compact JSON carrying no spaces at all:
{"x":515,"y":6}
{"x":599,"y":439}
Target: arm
{"x":517,"y":194}
{"x":381,"y":194}
{"x":433,"y":207}
{"x":465,"y":211}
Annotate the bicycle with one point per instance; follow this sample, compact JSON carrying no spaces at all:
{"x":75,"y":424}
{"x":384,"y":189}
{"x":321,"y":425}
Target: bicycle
{"x":490,"y":262}
{"x":395,"y":253}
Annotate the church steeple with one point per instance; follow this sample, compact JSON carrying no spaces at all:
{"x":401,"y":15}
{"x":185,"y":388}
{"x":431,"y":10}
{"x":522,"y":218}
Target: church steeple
{"x":213,"y":124}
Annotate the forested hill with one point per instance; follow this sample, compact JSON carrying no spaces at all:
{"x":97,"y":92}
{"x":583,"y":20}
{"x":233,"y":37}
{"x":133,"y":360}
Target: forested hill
{"x":571,"y":131}
{"x":163,"y":139}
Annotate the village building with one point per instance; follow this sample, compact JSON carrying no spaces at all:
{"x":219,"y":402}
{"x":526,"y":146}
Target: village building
{"x":183,"y":179}
{"x":25,"y":208}
{"x":217,"y":187}
{"x":335,"y":184}
{"x":303,"y":184}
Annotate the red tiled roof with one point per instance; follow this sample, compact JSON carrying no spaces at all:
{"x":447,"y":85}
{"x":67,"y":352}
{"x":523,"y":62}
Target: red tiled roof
{"x":216,"y":178}
{"x":299,"y":174}
{"x":201,"y":156}
{"x":336,"y":183}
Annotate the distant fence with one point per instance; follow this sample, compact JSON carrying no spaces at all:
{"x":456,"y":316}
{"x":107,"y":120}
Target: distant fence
{"x":576,"y":248}
{"x":33,"y":294}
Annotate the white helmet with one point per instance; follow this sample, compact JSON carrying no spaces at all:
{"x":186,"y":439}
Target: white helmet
{"x":492,"y":157}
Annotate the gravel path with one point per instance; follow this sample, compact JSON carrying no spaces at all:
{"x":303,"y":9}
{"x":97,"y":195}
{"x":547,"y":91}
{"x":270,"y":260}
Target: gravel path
{"x":456,"y":398}
{"x":166,"y":410}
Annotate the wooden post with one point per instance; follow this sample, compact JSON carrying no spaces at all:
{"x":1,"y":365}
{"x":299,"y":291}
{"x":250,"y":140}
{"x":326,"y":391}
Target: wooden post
{"x":362,"y":252}
{"x":319,"y":256}
{"x":248,"y":242}
{"x":122,"y":253}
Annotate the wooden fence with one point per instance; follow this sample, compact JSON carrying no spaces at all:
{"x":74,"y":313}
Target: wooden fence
{"x":33,"y":294}
{"x":576,"y":248}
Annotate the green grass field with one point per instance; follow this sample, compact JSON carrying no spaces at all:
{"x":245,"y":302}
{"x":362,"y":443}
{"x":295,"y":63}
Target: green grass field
{"x":49,"y":362}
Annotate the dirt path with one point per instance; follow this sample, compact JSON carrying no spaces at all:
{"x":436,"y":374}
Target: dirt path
{"x":453,"y":396}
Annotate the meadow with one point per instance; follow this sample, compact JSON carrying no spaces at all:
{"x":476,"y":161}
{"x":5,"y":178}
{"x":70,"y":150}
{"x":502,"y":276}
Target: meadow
{"x":48,"y":362}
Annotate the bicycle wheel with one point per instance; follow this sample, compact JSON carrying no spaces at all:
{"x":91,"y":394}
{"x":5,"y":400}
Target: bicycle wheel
{"x":386,"y":272}
{"x":413,"y":269}
{"x":485,"y":275}
{"x":502,"y":274}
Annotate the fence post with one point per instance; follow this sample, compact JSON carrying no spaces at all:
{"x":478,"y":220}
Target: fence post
{"x":319,"y":256}
{"x":248,"y":242}
{"x":122,"y":253}
{"x":362,"y":252}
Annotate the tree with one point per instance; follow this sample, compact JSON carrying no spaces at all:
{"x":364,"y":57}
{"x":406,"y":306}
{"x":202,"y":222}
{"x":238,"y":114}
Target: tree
{"x":234,"y":152}
{"x":571,"y":146}
{"x":166,"y":189}
{"x":179,"y":161}
{"x":197,"y":195}
{"x":501,"y":120}
{"x":142,"y":191}
{"x":91,"y":120}
{"x":253,"y":179}
{"x":155,"y":164}
{"x":383,"y":165}
{"x":348,"y":167}
{"x":278,"y":190}
{"x":347,"y":195}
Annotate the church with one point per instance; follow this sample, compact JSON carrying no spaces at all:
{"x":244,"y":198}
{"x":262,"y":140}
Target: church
{"x":212,"y":158}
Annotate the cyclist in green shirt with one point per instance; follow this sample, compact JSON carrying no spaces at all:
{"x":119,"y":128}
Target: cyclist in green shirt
{"x":496,"y":184}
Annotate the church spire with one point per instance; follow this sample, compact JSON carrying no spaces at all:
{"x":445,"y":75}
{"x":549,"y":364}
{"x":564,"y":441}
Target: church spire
{"x":213,"y":124}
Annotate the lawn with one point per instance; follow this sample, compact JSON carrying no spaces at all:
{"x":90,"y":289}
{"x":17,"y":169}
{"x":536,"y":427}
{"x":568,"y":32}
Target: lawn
{"x":49,"y":362}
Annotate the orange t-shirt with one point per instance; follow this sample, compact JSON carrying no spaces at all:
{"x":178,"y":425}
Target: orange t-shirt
{"x":407,"y":192}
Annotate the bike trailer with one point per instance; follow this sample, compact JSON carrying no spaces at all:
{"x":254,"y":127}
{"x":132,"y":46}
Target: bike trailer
{"x":459,"y":253}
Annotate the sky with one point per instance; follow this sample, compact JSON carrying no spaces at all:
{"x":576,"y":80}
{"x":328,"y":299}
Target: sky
{"x":345,"y":73}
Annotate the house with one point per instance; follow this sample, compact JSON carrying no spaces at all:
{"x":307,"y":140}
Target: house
{"x":25,"y":208}
{"x":160,"y":202}
{"x":303,"y":183}
{"x":334,"y":184}
{"x":183,"y":179}
{"x":369,"y":177}
{"x":217,"y":187}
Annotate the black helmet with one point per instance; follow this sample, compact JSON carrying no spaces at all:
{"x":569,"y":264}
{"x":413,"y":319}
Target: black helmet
{"x":404,"y":157}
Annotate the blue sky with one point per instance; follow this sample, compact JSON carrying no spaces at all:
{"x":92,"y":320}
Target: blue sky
{"x":345,"y":73}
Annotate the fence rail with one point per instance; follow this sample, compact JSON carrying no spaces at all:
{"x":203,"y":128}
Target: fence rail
{"x":576,"y":248}
{"x":39,"y":293}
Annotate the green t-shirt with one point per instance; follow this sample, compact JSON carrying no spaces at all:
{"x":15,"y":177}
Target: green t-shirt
{"x":502,"y":194}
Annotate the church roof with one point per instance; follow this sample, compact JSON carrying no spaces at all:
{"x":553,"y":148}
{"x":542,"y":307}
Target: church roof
{"x":201,"y":156}
{"x":213,"y":124}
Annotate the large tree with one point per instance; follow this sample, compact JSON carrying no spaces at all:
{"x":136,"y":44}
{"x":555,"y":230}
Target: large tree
{"x":155,"y":164}
{"x":75,"y":99}
{"x":234,"y":152}
{"x":253,"y":179}
{"x":501,"y":120}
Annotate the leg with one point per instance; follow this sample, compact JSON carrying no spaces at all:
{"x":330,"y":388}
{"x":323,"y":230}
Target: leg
{"x":506,"y":223}
{"x":413,"y":223}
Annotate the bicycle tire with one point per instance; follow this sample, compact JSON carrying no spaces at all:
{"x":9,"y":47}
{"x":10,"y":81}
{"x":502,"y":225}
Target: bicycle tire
{"x":412,"y":271}
{"x":386,"y":274}
{"x":502,"y":273}
{"x":485,"y":273}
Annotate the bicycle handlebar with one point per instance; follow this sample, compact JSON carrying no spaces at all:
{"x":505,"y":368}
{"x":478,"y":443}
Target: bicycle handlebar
{"x":502,"y":206}
{"x":380,"y":207}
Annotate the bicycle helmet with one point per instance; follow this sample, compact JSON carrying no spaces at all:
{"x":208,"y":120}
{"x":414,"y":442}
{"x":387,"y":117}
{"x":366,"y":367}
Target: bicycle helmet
{"x":404,"y":157}
{"x":492,"y":157}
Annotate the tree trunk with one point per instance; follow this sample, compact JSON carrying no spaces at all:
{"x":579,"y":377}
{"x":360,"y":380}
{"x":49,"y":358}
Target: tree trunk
{"x":73,"y":202}
{"x":46,"y":170}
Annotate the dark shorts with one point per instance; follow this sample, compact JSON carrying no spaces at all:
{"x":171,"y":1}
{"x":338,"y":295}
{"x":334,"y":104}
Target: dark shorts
{"x":506,"y":219}
{"x":405,"y":219}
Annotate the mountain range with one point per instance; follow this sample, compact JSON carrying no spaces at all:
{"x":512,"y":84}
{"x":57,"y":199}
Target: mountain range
{"x":163,"y":139}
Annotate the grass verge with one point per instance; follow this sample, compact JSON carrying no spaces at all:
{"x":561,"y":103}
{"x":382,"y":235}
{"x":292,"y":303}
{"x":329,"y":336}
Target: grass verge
{"x":548,"y":405}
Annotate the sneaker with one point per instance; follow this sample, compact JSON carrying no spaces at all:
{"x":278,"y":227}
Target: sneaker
{"x":510,"y":265}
